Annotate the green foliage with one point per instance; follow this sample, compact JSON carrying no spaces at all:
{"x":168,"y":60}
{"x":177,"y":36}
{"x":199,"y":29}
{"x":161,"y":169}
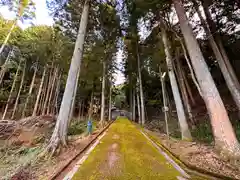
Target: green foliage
{"x":203,"y":133}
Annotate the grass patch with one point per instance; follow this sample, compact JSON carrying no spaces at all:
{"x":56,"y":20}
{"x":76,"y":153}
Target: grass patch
{"x":134,"y":157}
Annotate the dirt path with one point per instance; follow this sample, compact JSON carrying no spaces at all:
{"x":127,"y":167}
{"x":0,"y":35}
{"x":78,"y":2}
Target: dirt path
{"x":125,"y":153}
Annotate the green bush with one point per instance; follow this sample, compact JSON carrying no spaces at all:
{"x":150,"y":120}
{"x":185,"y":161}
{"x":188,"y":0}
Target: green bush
{"x":77,"y":127}
{"x":203,"y":133}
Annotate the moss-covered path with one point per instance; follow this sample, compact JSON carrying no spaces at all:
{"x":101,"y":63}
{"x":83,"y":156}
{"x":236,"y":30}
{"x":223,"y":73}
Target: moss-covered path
{"x":125,"y":153}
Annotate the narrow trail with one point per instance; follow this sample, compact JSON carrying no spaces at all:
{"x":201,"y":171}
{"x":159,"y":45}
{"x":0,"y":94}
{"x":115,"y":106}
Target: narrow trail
{"x":124,"y":152}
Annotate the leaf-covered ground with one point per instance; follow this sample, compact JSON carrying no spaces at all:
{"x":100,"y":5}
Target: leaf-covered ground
{"x":124,"y":153}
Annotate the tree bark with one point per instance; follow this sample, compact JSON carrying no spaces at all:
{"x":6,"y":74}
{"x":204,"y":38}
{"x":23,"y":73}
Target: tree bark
{"x":142,"y":106}
{"x":29,"y":92}
{"x":11,"y":91}
{"x":19,"y":91}
{"x":73,"y":99}
{"x":227,"y":71}
{"x":103,"y":94}
{"x":176,"y":95}
{"x":225,"y":138}
{"x":39,"y":93}
{"x":60,"y":130}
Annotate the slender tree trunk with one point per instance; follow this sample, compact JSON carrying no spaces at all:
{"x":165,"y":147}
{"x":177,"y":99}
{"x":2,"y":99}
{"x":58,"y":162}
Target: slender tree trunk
{"x":90,"y":110}
{"x":43,"y":95}
{"x":7,"y":37}
{"x":51,"y":91}
{"x":103,"y":94}
{"x":134,"y":105}
{"x":140,"y":88}
{"x":19,"y":91}
{"x":48,"y":90}
{"x":165,"y":109}
{"x":11,"y":91}
{"x":225,"y":138}
{"x":186,"y":103}
{"x":29,"y":92}
{"x":60,"y":131}
{"x":110,"y":105}
{"x":227,"y":71}
{"x":4,"y":66}
{"x":176,"y":95}
{"x":39,"y":93}
{"x":54,"y":108}
{"x":189,"y":89}
{"x":139,"y":109}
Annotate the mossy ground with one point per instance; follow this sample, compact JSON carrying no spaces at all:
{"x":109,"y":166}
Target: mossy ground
{"x":124,"y":153}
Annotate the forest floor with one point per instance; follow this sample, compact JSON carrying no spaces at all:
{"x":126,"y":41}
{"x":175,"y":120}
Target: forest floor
{"x":200,"y":155}
{"x":125,"y":153}
{"x":24,"y":141}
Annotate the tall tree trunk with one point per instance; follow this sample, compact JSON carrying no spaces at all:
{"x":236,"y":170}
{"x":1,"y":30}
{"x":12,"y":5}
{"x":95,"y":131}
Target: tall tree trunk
{"x":8,"y":36}
{"x":217,"y":36}
{"x":139,"y":109}
{"x":51,"y":91}
{"x":165,"y":109}
{"x":60,"y":130}
{"x":4,"y":66}
{"x":179,"y":72}
{"x":134,"y":105}
{"x":19,"y":91}
{"x":103,"y":94}
{"x":142,"y":106}
{"x":225,"y":138}
{"x":46,"y":100}
{"x":110,"y":104}
{"x":29,"y":92}
{"x":39,"y":93}
{"x":232,"y":84}
{"x":176,"y":95}
{"x":11,"y":91}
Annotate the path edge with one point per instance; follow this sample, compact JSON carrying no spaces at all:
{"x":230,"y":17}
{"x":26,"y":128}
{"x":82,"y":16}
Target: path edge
{"x":54,"y":176}
{"x":181,"y":162}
